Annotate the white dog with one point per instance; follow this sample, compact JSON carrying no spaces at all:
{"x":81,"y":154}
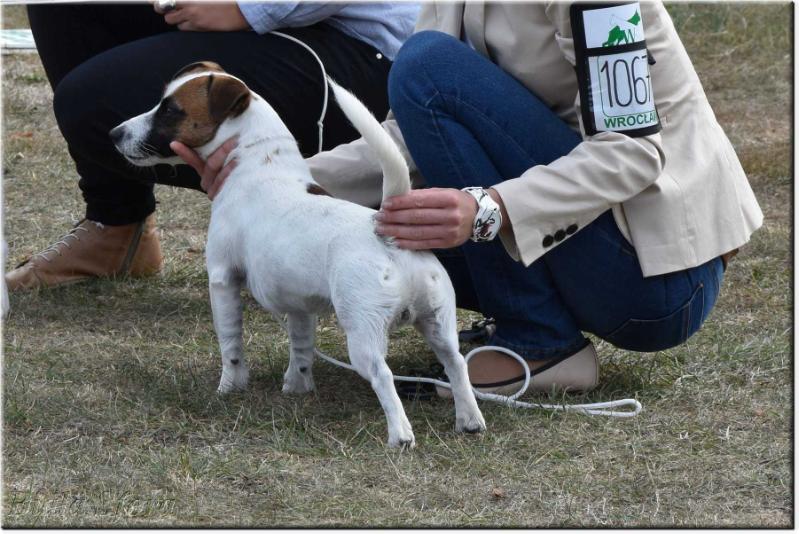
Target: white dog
{"x":299,"y":251}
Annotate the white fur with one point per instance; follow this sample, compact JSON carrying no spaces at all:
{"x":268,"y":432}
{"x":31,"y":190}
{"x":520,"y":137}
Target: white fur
{"x":301,"y":255}
{"x":396,"y":180}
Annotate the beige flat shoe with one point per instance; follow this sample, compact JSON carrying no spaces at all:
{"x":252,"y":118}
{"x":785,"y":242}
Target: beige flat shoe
{"x":578,"y":372}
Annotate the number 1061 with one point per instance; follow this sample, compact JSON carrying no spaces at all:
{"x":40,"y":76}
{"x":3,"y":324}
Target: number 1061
{"x":627,"y":80}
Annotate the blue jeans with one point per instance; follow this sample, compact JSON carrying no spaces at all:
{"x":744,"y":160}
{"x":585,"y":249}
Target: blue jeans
{"x":468,"y":123}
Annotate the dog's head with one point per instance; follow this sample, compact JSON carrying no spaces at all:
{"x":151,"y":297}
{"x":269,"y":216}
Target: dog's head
{"x":198,"y":100}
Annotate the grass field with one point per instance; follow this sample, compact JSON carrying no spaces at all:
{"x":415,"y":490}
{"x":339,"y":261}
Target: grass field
{"x":111,"y":416}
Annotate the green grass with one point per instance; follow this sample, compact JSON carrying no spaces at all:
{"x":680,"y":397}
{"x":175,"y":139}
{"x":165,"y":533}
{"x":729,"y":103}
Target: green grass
{"x":111,"y":416}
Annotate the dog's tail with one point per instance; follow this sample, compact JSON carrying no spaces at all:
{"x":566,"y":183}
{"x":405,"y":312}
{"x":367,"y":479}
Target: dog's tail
{"x":396,"y":179}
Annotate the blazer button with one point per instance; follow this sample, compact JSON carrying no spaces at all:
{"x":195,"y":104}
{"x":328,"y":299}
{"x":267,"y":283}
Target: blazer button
{"x":548,"y":240}
{"x":571,"y":229}
{"x":560,"y":235}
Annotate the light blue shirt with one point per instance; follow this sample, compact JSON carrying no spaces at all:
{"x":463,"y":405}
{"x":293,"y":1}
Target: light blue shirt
{"x":383,"y":25}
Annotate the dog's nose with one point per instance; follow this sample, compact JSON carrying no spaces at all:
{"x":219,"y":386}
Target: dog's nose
{"x":116,"y":134}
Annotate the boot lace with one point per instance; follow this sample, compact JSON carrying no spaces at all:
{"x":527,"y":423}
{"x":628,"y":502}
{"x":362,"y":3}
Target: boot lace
{"x":72,"y":236}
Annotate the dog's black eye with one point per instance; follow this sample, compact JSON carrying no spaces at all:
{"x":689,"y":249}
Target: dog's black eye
{"x":173,"y":109}
{"x":170,"y":109}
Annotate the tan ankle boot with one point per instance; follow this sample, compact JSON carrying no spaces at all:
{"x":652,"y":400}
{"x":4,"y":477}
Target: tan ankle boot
{"x":92,"y":250}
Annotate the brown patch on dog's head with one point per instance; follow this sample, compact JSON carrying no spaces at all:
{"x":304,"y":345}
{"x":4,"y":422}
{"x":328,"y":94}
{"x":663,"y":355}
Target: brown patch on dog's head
{"x":316,"y":189}
{"x":200,"y":66}
{"x":193,"y":112}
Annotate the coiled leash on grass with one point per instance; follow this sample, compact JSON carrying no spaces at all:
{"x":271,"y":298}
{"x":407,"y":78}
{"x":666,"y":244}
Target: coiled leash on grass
{"x":607,"y":409}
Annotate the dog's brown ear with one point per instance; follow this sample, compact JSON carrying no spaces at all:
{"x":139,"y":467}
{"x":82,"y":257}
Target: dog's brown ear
{"x":227,"y":97}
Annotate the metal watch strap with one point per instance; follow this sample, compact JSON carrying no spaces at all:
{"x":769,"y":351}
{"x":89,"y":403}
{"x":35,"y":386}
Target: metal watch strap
{"x":488,"y":220}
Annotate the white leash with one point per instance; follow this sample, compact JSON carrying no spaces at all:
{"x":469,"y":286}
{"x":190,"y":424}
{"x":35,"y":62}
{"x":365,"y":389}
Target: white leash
{"x":607,"y":409}
{"x":320,"y":122}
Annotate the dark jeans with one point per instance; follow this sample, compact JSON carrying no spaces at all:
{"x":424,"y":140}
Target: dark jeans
{"x":107,"y":63}
{"x":468,"y":123}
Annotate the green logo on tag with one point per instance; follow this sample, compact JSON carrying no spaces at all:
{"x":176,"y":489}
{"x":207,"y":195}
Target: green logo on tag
{"x":618,"y":36}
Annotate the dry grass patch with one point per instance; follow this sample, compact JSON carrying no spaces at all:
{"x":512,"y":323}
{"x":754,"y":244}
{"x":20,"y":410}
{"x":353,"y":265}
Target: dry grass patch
{"x":111,"y":417}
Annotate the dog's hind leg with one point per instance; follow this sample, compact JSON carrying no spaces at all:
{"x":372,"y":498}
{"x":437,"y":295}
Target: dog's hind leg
{"x":440,"y":331}
{"x":367,"y":347}
{"x":302,"y":332}
{"x":225,"y":290}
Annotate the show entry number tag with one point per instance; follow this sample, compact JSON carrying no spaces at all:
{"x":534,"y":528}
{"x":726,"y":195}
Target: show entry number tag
{"x":612,"y":66}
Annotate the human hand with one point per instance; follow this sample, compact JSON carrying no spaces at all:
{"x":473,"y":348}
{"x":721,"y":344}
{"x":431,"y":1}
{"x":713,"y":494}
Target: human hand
{"x":428,"y":218}
{"x":212,"y":174}
{"x":205,"y":17}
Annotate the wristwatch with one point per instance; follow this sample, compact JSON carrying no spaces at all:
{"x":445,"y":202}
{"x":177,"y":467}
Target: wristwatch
{"x":166,"y":5}
{"x":488,"y":220}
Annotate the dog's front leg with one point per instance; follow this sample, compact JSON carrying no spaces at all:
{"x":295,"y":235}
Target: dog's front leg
{"x":225,"y":291}
{"x":302,"y":333}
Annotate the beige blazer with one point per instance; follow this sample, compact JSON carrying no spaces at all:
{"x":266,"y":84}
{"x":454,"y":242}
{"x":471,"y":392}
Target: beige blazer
{"x":680,"y":196}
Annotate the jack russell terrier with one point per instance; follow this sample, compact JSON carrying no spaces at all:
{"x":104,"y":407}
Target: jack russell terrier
{"x":299,"y":251}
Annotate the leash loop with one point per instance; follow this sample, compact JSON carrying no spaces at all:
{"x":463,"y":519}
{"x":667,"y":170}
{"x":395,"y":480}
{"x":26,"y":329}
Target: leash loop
{"x":608,"y":409}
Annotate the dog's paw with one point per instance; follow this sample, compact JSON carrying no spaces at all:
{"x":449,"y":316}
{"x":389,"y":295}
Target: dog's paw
{"x":234,"y":380}
{"x":297,"y":383}
{"x":401,"y":437}
{"x":402,"y":443}
{"x":473,"y":424}
{"x":295,"y":389}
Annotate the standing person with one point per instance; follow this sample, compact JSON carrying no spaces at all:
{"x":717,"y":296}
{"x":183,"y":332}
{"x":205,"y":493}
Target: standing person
{"x":602,"y":195}
{"x":107,"y":63}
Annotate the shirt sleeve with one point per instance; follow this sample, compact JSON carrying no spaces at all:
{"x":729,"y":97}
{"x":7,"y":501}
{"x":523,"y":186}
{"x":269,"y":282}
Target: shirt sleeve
{"x":264,"y":17}
{"x":549,"y":203}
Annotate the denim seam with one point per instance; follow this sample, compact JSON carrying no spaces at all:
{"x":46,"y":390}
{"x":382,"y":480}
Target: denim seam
{"x":441,"y":136}
{"x":443,"y":98}
{"x":687,"y":327}
{"x":488,"y":119}
{"x":685,"y":310}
